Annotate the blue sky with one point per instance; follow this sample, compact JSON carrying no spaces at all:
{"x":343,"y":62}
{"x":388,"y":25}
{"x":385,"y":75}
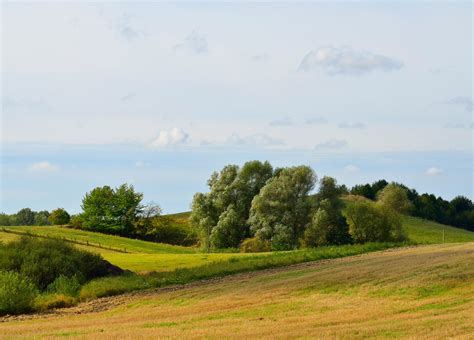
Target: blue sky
{"x":161,"y":94}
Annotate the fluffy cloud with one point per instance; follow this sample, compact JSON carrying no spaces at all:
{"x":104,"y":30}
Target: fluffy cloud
{"x":194,"y":42}
{"x":351,"y":125}
{"x":172,"y":137}
{"x":331,"y":144}
{"x":433,"y":171}
{"x":464,"y":102}
{"x":43,"y":166}
{"x":351,"y":168}
{"x":347,"y":61}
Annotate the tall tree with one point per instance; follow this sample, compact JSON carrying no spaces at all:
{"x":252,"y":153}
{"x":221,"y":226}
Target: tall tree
{"x":281,"y":211}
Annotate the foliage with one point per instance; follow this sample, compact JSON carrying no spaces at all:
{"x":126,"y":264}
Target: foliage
{"x":394,"y":197}
{"x":65,"y":285}
{"x":59,"y":216}
{"x":369,"y":222}
{"x":281,"y":211}
{"x":221,"y":216}
{"x":42,"y":218}
{"x":254,"y":245}
{"x":25,"y":217}
{"x":458,"y":212}
{"x":110,"y":210}
{"x":6,"y":220}
{"x":17,"y":293}
{"x":43,"y":261}
{"x":328,"y":225}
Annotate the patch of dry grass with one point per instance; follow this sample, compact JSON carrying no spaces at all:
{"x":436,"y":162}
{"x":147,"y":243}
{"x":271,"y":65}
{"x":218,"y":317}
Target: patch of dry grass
{"x":422,"y":292}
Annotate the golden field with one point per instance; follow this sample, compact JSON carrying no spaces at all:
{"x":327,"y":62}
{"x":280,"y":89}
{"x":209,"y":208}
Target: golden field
{"x":416,"y":292}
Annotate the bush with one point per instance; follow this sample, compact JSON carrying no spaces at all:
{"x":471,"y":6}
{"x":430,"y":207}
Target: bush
{"x":254,"y":245}
{"x":52,"y":300}
{"x":43,"y":261}
{"x":16,"y":293}
{"x":65,"y":285}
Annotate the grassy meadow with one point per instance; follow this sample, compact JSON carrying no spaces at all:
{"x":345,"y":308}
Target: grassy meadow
{"x":145,"y":257}
{"x":420,"y":292}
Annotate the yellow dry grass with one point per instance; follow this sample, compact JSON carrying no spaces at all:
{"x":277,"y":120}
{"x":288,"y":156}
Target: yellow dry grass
{"x":422,"y":292}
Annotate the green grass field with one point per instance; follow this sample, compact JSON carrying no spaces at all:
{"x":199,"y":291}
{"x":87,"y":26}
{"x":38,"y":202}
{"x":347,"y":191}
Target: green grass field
{"x":146,"y":256}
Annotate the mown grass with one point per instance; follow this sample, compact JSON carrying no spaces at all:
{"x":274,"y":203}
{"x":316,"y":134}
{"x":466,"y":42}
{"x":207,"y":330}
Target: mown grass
{"x":419,"y":292}
{"x":233,"y":264}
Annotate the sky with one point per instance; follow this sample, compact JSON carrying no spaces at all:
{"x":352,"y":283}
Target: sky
{"x":159,"y":95}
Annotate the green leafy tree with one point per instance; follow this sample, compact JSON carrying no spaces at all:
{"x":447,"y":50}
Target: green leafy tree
{"x":25,"y":217}
{"x":221,"y":216}
{"x":59,"y":216}
{"x":41,"y":218}
{"x":394,"y":197}
{"x":281,"y":211}
{"x":369,"y":222}
{"x":5,"y":220}
{"x":110,"y":210}
{"x":328,"y":225}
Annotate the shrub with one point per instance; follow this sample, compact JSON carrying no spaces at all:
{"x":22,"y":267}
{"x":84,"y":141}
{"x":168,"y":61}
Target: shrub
{"x":52,"y":300}
{"x":65,"y":285}
{"x":16,"y":293}
{"x":43,"y":261}
{"x":254,"y":245}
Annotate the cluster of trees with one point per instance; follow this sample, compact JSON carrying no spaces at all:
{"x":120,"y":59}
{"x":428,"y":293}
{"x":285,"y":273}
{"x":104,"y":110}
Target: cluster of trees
{"x":458,"y":212}
{"x":256,"y":206}
{"x":26,"y":216}
{"x":119,"y":211}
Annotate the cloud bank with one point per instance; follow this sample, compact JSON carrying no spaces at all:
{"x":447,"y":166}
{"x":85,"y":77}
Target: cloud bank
{"x":347,"y":61}
{"x":168,"y":138}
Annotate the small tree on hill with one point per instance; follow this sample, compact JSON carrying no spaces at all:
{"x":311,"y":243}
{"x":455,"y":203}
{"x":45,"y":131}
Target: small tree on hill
{"x":25,"y":217}
{"x":394,"y":197}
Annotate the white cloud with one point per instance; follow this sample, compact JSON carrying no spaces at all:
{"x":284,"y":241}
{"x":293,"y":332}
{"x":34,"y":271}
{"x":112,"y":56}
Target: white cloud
{"x":172,"y":137}
{"x":331,"y":144}
{"x":351,"y":125}
{"x":351,"y":168}
{"x":464,"y":102}
{"x":433,"y":171}
{"x":194,"y":42}
{"x":347,"y":61}
{"x":43,"y":166}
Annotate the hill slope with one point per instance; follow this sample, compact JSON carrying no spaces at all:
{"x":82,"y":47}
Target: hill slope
{"x":420,"y":292}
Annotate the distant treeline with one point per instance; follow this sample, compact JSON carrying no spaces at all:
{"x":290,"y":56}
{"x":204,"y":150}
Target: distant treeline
{"x":26,"y":216}
{"x":458,"y":212}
